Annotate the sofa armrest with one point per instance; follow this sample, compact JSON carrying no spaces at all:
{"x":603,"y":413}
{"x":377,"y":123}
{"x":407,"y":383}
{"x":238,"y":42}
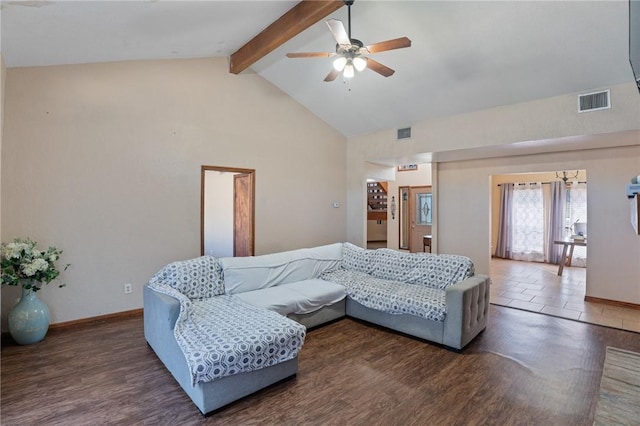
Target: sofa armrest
{"x":160,"y":314}
{"x":467,"y":310}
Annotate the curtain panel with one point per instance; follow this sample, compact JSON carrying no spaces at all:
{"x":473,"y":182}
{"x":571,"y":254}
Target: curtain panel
{"x":578,"y":213}
{"x":527,"y":231}
{"x":503,"y":246}
{"x":557,"y":231}
{"x":532,"y":218}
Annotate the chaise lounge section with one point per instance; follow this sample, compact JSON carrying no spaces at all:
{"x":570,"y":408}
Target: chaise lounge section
{"x":228,"y":327}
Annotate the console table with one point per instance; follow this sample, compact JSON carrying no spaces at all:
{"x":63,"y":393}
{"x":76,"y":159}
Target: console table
{"x":568,"y":245}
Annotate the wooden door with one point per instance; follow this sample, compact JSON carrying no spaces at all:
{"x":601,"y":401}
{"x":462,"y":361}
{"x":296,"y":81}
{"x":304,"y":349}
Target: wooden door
{"x":420,"y":207}
{"x":243,"y":215}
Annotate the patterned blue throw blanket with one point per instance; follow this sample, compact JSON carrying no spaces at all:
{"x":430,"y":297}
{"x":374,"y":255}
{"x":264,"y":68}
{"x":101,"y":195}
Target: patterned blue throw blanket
{"x":400,"y":283}
{"x":222,"y":335}
{"x":392,"y":297}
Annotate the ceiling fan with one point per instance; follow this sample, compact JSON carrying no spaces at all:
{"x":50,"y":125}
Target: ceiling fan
{"x":352,"y":53}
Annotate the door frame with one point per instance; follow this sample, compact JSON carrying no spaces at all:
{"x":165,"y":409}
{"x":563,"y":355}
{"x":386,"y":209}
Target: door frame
{"x":404,"y":220}
{"x":252,"y":198}
{"x":412,"y":212}
{"x":243,"y":217}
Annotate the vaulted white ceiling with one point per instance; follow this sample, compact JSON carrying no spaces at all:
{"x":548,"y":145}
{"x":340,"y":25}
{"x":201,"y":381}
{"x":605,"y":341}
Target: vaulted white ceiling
{"x":466,"y":56}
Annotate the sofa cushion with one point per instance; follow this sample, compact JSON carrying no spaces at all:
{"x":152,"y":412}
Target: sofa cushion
{"x":277,"y":298}
{"x":222,"y":336}
{"x":434,"y":270}
{"x":301,"y":297}
{"x":243,"y":274}
{"x":356,"y":258}
{"x":315,"y":294}
{"x":392,"y":297}
{"x":195,"y":278}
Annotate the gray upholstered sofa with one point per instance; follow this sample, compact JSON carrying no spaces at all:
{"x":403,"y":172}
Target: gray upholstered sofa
{"x":228,"y":327}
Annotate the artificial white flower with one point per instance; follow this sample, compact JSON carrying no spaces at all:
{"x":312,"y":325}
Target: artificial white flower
{"x":37,"y":265}
{"x":21,"y":259}
{"x":15,"y":249}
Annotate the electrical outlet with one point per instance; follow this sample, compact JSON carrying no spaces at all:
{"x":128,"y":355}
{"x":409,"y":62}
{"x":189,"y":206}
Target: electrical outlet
{"x":127,"y":288}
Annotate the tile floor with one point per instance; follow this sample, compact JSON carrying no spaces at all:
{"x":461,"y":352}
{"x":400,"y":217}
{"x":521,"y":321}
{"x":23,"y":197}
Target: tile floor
{"x":537,"y":287}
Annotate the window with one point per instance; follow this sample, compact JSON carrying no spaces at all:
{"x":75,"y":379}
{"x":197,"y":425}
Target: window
{"x":528,"y":223}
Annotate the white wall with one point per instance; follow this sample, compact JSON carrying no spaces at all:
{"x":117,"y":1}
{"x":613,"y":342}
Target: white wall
{"x":218,"y":218}
{"x":104,"y":161}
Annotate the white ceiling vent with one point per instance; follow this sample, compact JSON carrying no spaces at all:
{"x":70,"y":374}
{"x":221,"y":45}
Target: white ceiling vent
{"x":594,"y":101}
{"x":404,"y":133}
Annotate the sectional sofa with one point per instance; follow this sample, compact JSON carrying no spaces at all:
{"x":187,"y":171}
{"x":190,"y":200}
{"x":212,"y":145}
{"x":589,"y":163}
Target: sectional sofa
{"x":228,"y":327}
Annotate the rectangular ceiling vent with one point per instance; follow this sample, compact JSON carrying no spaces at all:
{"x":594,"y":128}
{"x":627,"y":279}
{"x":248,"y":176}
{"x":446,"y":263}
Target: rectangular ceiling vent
{"x":594,"y":101}
{"x":404,"y":133}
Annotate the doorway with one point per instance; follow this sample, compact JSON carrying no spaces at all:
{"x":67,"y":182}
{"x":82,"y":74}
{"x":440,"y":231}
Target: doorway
{"x":531,"y":215}
{"x":416,"y":218}
{"x":377,"y":202}
{"x":227,"y":225}
{"x":420,"y":217}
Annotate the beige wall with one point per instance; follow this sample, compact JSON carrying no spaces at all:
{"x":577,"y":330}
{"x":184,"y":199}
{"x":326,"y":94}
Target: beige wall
{"x":613,"y":271}
{"x":103,"y":161}
{"x":541,"y":120}
{"x":462,"y":188}
{"x":3,"y":76}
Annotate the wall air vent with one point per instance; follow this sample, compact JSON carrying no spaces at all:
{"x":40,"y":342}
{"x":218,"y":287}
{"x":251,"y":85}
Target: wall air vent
{"x":404,"y":133}
{"x":594,"y":101}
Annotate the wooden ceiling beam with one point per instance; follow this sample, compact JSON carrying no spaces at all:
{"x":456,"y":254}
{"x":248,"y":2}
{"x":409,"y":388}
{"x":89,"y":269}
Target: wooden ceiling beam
{"x":297,"y":19}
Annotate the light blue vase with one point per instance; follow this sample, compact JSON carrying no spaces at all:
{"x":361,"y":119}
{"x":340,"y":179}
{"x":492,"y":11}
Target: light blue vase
{"x":29,"y":319}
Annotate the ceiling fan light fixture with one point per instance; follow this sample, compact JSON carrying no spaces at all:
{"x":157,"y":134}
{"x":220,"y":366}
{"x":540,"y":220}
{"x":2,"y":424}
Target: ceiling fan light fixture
{"x":348,"y":70}
{"x":360,"y":63}
{"x":351,"y":53}
{"x":339,"y":63}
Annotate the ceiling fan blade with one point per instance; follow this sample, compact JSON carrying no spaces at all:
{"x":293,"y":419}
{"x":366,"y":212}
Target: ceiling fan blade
{"x":311,"y":55}
{"x":337,"y":30}
{"x":332,"y":75}
{"x":376,"y":66}
{"x":396,"y":43}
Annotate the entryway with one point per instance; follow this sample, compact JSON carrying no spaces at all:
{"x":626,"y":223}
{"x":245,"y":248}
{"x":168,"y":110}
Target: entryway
{"x":227,"y":211}
{"x":377,"y":204}
{"x":403,"y":214}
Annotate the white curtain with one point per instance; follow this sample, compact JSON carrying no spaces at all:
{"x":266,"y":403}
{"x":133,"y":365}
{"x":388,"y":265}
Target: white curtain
{"x":556,"y":223}
{"x":577,"y":205}
{"x":532,"y":218}
{"x":528,"y":223}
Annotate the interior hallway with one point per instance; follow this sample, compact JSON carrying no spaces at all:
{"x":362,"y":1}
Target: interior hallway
{"x":536,"y":287}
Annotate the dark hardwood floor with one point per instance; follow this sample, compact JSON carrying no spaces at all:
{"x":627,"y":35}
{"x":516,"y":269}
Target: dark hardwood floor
{"x":525,"y":369}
